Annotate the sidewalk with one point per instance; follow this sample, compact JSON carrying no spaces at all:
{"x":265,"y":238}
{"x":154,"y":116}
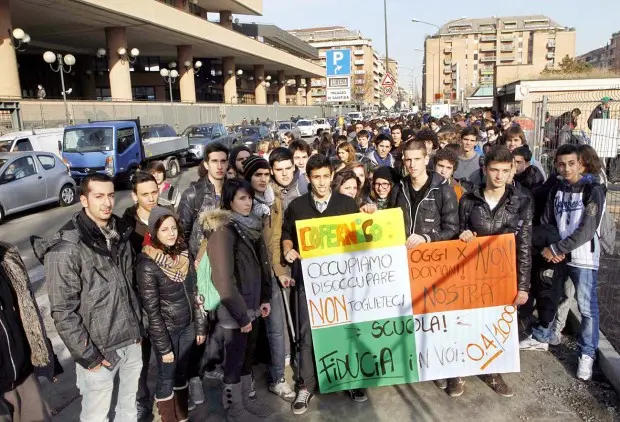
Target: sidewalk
{"x":546,"y":389}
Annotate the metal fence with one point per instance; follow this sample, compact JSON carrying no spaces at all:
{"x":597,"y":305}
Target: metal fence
{"x":47,"y":114}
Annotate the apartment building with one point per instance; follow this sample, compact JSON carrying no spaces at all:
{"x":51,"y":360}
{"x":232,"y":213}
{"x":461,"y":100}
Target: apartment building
{"x":367,"y":67}
{"x":468,"y":53}
{"x":606,"y":57}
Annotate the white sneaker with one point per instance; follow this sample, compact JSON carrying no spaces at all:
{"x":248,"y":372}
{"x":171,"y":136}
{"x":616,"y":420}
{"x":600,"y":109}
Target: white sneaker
{"x":216,"y":374}
{"x":196,"y":391}
{"x":530,"y":343}
{"x":556,"y":339}
{"x":584,"y":371}
{"x":283,"y":389}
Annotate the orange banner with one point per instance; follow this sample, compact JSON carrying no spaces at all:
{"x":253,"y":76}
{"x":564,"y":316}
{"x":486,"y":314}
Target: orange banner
{"x":454,"y":275}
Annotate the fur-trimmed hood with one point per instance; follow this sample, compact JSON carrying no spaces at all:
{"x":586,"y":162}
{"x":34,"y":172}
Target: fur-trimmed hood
{"x":211,"y":220}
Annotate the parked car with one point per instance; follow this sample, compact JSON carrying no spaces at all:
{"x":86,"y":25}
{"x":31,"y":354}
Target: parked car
{"x":33,"y":178}
{"x":306,"y":127}
{"x":321,"y":124}
{"x":200,"y":136}
{"x":355,"y":116}
{"x":247,"y":135}
{"x":284,"y":127}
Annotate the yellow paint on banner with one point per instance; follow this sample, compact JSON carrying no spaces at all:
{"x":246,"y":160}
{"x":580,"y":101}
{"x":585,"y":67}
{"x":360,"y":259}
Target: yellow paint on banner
{"x":350,"y":233}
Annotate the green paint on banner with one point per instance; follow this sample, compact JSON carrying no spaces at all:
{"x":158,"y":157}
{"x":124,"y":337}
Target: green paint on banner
{"x":367,"y":354}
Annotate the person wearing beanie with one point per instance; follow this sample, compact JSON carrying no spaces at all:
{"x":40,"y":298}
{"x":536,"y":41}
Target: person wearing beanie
{"x":383,"y":182}
{"x":268,"y":207}
{"x":166,"y":289}
{"x":238,"y":155}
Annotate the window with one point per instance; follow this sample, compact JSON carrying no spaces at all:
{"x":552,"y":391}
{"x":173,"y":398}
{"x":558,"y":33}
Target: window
{"x":19,"y":169}
{"x":166,"y":132}
{"x":47,"y":161}
{"x":23,"y":145}
{"x":476,"y":56}
{"x":104,"y":94}
{"x":145,"y":93}
{"x":125,"y":137}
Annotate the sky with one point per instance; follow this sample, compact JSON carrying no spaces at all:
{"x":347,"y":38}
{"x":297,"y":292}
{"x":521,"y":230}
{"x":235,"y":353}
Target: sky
{"x":594,"y":25}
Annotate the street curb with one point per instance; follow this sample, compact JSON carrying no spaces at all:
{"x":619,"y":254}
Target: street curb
{"x":608,"y":357}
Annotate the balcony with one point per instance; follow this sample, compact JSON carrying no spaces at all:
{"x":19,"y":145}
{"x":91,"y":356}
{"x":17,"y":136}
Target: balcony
{"x":359,"y":72}
{"x":322,"y":54}
{"x":551,"y":44}
{"x":318,"y":93}
{"x":359,"y":62}
{"x":447,"y":81}
{"x":507,"y":38}
{"x":359,"y":82}
{"x":447,"y":70}
{"x":447,"y":50}
{"x":447,"y":61}
{"x":486,"y":79}
{"x":376,"y":78}
{"x":448,"y":92}
{"x":488,"y":59}
{"x":484,"y":48}
{"x":486,"y":71}
{"x":507,"y":47}
{"x":318,"y":82}
{"x":358,"y":52}
{"x":507,"y":58}
{"x":486,"y":38}
{"x":550,"y":55}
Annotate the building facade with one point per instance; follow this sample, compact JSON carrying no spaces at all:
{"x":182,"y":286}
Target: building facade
{"x":121,"y":48}
{"x":468,"y":53}
{"x":607,"y":57}
{"x":367,"y":67}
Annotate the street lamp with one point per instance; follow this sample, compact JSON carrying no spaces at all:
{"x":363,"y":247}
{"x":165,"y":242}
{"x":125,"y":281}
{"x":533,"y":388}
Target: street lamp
{"x":170,"y":77}
{"x":68,"y":59}
{"x":197,"y":66}
{"x":19,"y":39}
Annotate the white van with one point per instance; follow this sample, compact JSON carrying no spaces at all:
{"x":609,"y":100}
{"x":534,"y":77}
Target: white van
{"x":32,"y":140}
{"x":355,"y":116}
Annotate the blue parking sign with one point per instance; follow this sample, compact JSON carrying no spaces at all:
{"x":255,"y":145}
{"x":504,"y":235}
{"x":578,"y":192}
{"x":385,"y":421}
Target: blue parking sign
{"x":338,"y":62}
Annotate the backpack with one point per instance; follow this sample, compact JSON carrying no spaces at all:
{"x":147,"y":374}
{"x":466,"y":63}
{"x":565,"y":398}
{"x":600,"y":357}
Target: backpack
{"x":208,"y":295}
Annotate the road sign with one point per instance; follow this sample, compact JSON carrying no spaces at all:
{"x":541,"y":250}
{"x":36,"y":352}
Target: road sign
{"x":388,"y":103}
{"x":388,"y":80}
{"x":338,"y":62}
{"x":338,"y":95}
{"x":387,"y":90}
{"x":339,"y":82}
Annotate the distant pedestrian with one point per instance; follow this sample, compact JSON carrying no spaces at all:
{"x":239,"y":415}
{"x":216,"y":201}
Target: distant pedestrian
{"x":601,"y":111}
{"x":41,"y":94}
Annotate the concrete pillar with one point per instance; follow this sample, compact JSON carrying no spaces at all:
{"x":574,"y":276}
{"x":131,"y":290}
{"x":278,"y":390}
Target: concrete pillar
{"x":120,"y":78}
{"x":230,"y":80}
{"x":298,"y":91}
{"x":9,"y":81}
{"x":308,"y":91}
{"x":260,"y":93}
{"x":186,"y":74}
{"x":226,"y":19}
{"x":89,"y":86}
{"x":281,"y":88}
{"x":160,"y":92}
{"x":182,"y":4}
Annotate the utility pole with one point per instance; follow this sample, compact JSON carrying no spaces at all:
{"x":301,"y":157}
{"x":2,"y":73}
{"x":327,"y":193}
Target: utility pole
{"x":386,"y":35}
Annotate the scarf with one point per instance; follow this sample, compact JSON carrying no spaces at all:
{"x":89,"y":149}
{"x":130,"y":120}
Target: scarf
{"x":250,"y":226}
{"x":388,"y":161}
{"x":262,"y":204}
{"x":175,"y":267}
{"x":110,"y":233}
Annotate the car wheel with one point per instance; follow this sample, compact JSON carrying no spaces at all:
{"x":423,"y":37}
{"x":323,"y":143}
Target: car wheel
{"x":173,"y":168}
{"x":67,"y":195}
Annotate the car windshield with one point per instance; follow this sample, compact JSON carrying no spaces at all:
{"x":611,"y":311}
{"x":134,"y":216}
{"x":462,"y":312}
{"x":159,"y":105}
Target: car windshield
{"x":284,"y":126}
{"x":249,"y":131}
{"x":198,"y":131}
{"x":5,"y":146}
{"x":303,"y":123}
{"x":88,"y":139}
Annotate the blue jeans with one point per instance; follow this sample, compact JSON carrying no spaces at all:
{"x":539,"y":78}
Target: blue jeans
{"x":96,"y":387}
{"x":276,"y":325}
{"x":174,"y":374}
{"x":585,"y":282}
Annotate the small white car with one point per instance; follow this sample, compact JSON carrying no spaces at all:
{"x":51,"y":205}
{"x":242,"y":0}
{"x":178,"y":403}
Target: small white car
{"x":322,"y":124}
{"x":306,"y":127}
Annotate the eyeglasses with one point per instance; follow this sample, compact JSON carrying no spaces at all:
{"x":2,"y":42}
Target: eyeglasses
{"x":383,"y":185}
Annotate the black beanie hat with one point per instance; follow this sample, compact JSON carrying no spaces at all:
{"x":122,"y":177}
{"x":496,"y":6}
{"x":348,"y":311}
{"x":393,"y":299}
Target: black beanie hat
{"x":386,"y":173}
{"x":252,"y":165}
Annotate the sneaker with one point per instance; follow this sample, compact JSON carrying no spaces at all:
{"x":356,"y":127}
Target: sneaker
{"x":283,"y":389}
{"x":497,"y":384}
{"x":196,"y":391}
{"x":191,"y":405}
{"x":584,"y":371}
{"x":556,"y":339}
{"x":358,"y":395}
{"x":300,"y":405}
{"x":441,"y":384}
{"x":456,"y":387}
{"x":530,"y":343}
{"x":287,"y":360}
{"x":216,"y":374}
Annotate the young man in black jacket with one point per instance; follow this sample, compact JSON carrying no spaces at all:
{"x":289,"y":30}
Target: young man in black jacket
{"x":499,"y":208}
{"x":319,"y":202}
{"x":428,"y":201}
{"x":22,"y":343}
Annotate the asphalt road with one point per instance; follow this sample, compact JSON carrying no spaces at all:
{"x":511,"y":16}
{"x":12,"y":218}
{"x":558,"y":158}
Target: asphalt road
{"x":45,"y":221}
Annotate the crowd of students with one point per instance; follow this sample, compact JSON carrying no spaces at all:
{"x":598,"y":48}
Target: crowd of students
{"x":121,"y":288}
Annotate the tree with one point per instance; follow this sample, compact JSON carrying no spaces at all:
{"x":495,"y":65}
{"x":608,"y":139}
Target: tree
{"x":360,"y":92}
{"x":569,"y":66}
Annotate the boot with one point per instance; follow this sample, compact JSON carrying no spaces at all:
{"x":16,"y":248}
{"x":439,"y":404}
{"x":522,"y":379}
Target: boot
{"x":252,"y":405}
{"x":165,"y":408}
{"x":181,"y":397}
{"x":233,"y":404}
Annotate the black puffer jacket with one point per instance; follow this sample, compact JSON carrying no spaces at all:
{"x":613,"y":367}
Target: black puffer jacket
{"x":437,"y":216}
{"x":167,"y":304}
{"x":513,"y":214}
{"x":199,"y":197}
{"x":239,"y":269}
